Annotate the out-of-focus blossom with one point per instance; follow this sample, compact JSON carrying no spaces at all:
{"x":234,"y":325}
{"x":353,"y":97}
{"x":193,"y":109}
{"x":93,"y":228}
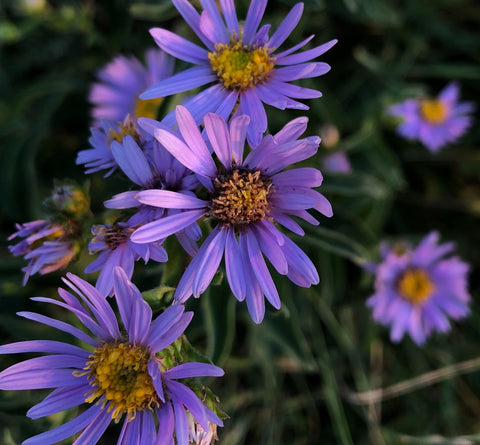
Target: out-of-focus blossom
{"x":242,"y":62}
{"x":115,"y":95}
{"x":329,"y":135}
{"x":337,"y":162}
{"x":417,"y":289}
{"x":123,"y":373}
{"x":47,"y":247}
{"x":435,"y":122}
{"x":245,"y":196}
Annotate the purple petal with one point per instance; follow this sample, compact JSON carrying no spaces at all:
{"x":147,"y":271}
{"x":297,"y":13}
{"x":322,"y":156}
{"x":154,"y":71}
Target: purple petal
{"x":306,"y":55}
{"x":212,"y":26}
{"x":170,"y":200}
{"x":156,"y":375}
{"x":271,"y":249}
{"x":140,"y":322}
{"x":58,"y":400}
{"x":292,"y":130}
{"x":157,"y":230}
{"x":68,"y":429}
{"x":124,"y":200}
{"x":172,"y":334}
{"x":228,"y":103}
{"x":38,"y":379}
{"x":238,"y":133}
{"x":190,"y":400}
{"x":254,"y":16}
{"x":230,"y":14}
{"x":181,"y":422}
{"x":253,"y":107}
{"x":290,"y":90}
{"x":191,"y":16}
{"x":209,"y":262}
{"x":301,"y":71}
{"x":184,"y":81}
{"x":62,"y":326}
{"x":286,"y":27}
{"x":298,"y":177}
{"x":234,"y":266}
{"x":165,"y":321}
{"x":194,"y":369}
{"x":166,"y":424}
{"x":295,"y":48}
{"x":217,"y":132}
{"x":92,"y":433}
{"x":45,"y":346}
{"x":179,"y":47}
{"x":261,"y":271}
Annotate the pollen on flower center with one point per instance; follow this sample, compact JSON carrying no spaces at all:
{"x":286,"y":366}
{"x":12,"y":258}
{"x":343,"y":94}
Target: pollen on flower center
{"x":238,"y":66}
{"x":433,"y":111}
{"x":147,"y":108}
{"x":112,"y":235}
{"x":126,"y":128}
{"x":240,"y":197}
{"x":415,"y":285}
{"x":119,"y":374}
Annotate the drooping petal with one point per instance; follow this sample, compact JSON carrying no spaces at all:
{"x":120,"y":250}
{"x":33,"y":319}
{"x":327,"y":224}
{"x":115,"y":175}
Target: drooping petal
{"x":234,"y":266}
{"x":92,"y":433}
{"x":194,"y":369}
{"x":190,"y":400}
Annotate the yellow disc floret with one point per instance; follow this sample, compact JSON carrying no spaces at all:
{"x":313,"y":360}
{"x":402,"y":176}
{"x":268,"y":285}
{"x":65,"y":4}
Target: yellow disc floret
{"x":434,"y":111}
{"x":240,"y":67}
{"x":119,"y":373}
{"x":240,"y":197}
{"x":415,"y":285}
{"x":147,"y":108}
{"x":127,"y":128}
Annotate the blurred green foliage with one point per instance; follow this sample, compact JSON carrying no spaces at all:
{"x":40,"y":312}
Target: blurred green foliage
{"x":293,"y":379}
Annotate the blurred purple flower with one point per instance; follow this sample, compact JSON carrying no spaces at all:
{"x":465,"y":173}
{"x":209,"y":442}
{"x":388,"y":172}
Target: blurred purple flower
{"x":246,"y":196}
{"x":116,"y":248}
{"x":155,"y":168}
{"x":241,"y":61}
{"x":46,"y":245}
{"x":121,"y":374}
{"x":337,"y":162}
{"x":434,"y":122}
{"x":115,"y":95}
{"x":418,"y":289}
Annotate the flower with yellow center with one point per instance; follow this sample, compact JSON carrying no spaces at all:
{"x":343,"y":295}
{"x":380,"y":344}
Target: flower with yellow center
{"x":239,"y":67}
{"x":119,"y":376}
{"x":147,"y":108}
{"x":415,"y":285}
{"x":434,"y":111}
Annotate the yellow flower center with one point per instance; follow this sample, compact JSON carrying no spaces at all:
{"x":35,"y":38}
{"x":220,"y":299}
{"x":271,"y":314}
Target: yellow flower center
{"x":112,"y":235}
{"x":147,"y":108}
{"x":415,"y":286}
{"x":119,"y":372}
{"x":433,"y":111}
{"x":126,"y":128}
{"x":239,"y":67}
{"x":240,"y":197}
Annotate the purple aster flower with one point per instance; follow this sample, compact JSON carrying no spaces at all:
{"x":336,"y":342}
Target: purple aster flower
{"x":46,"y":245}
{"x":115,"y":95}
{"x":418,"y":289}
{"x":337,"y":162}
{"x":116,"y":249}
{"x":246,"y":196}
{"x":155,"y":168}
{"x":100,"y":156}
{"x":241,"y":60}
{"x":121,"y":374}
{"x":434,"y":122}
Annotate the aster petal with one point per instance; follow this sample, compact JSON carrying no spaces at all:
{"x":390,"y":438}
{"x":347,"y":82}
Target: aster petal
{"x":287,"y":222}
{"x":166,"y":424}
{"x":238,"y":133}
{"x":69,"y":428}
{"x":253,"y":107}
{"x":400,"y":321}
{"x":181,"y":422}
{"x":254,"y":16}
{"x":124,"y":200}
{"x":295,"y":48}
{"x":228,"y":103}
{"x":160,"y":229}
{"x":92,"y":433}
{"x":184,"y":81}
{"x":172,"y":334}
{"x":147,"y":428}
{"x":288,"y":24}
{"x":37,"y":378}
{"x":299,"y":261}
{"x":194,"y":369}
{"x":261,"y":271}
{"x":271,"y":249}
{"x":132,"y":161}
{"x":130,"y":434}
{"x":292,"y":201}
{"x":170,"y":200}
{"x":450,"y":94}
{"x":191,"y":16}
{"x":179,"y":47}
{"x":234,"y":266}
{"x":209,"y":262}
{"x":189,"y":399}
{"x":165,"y":321}
{"x":416,"y":329}
{"x":212,"y":26}
{"x":255,"y":300}
{"x":140,"y":322}
{"x":298,"y":177}
{"x":60,"y":325}
{"x":156,"y":375}
{"x":230,"y":15}
{"x":272,"y":97}
{"x":45,"y":346}
{"x":217,"y":132}
{"x":300,"y":71}
{"x":59,"y":400}
{"x":194,"y":160}
{"x":295,"y":91}
{"x":292,"y":130}
{"x":306,"y":55}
